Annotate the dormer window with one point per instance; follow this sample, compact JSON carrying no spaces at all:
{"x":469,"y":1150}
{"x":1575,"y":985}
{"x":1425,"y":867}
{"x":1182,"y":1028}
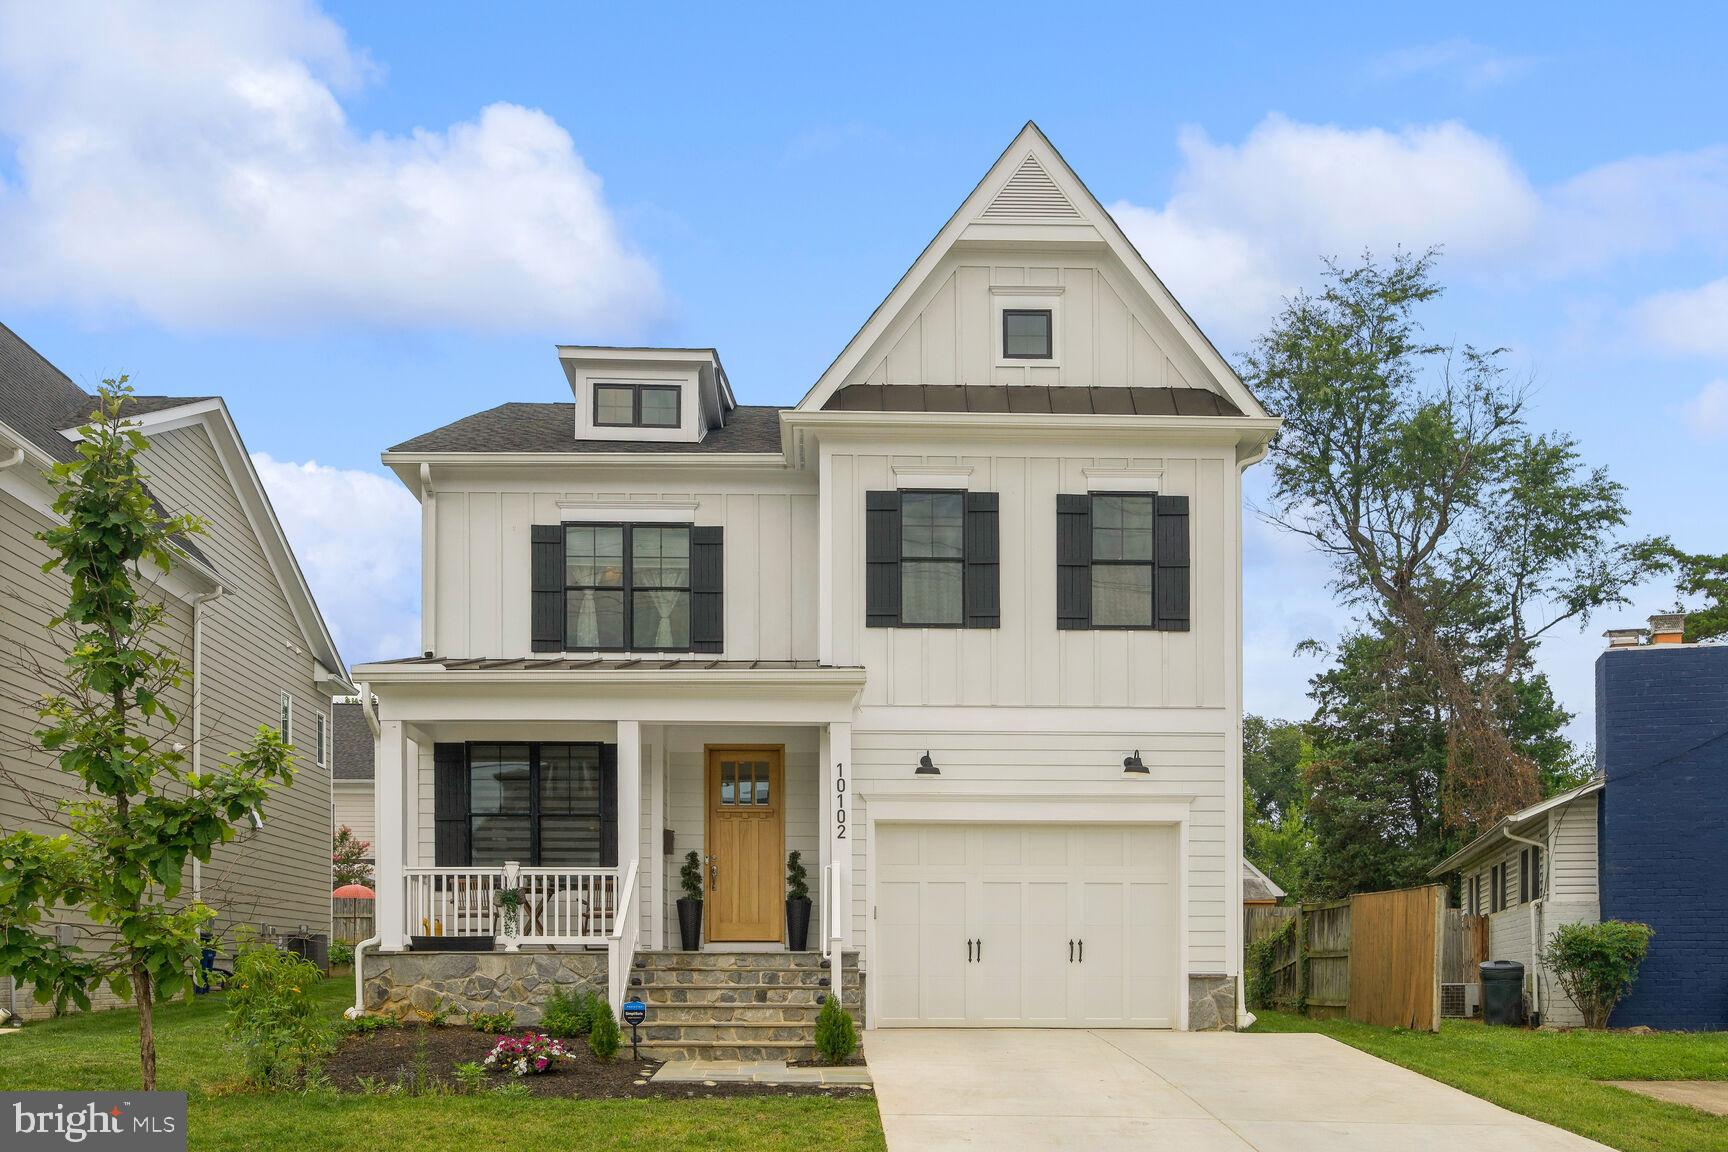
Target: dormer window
{"x":636,"y":405}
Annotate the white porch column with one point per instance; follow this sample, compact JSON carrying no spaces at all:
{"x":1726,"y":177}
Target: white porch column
{"x":839,"y":825}
{"x":390,"y":841}
{"x":630,"y":804}
{"x":655,"y":876}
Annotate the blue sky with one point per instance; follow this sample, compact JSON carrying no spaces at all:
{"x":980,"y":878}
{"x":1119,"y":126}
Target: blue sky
{"x":356,"y":222}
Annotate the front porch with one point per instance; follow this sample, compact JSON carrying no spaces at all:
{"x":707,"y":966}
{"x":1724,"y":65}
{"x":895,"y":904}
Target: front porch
{"x":546,"y":811}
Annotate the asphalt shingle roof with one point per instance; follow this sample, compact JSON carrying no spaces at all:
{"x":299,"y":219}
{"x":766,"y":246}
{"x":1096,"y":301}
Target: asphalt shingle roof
{"x":521,"y":427}
{"x":350,"y":743}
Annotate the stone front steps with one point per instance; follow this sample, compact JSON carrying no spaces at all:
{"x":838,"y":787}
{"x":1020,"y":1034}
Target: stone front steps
{"x":736,"y":1005}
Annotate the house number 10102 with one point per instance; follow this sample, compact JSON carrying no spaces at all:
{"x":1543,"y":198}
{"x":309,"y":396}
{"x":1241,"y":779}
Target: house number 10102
{"x":839,"y":801}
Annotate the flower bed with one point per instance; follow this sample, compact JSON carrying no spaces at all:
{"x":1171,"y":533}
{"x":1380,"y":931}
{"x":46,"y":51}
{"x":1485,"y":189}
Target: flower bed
{"x":530,"y":1054}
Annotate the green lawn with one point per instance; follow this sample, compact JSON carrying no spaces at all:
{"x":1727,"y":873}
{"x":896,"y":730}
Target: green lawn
{"x":1552,"y":1076}
{"x":100,"y":1051}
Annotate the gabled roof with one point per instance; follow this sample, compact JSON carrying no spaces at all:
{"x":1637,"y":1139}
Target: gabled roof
{"x":1031,"y":193}
{"x":1513,"y":823}
{"x":45,"y":408}
{"x":1256,"y":885}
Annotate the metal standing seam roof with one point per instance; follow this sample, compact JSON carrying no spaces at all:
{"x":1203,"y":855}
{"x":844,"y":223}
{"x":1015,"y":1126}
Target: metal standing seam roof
{"x":607,"y":664}
{"x":1033,"y":399}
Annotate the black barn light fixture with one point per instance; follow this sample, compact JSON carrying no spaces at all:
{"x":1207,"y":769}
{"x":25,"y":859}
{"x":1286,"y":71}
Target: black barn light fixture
{"x":927,"y":766}
{"x":1134,"y":764}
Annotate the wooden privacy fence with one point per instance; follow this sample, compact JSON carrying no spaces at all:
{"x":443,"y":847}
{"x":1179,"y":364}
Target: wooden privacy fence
{"x":351,"y":920}
{"x":1375,"y":957}
{"x":1463,"y":947}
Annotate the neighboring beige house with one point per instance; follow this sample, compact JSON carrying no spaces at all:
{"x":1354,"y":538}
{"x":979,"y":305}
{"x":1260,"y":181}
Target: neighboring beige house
{"x":963,"y":627}
{"x":241,"y":617}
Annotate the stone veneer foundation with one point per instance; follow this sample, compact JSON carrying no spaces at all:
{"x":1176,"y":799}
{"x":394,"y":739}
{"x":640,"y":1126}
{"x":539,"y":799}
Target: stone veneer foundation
{"x":406,"y":984}
{"x":1211,"y":1003}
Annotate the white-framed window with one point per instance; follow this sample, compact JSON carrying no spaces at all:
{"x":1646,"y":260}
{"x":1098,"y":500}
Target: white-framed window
{"x":287,"y":719}
{"x":322,"y":733}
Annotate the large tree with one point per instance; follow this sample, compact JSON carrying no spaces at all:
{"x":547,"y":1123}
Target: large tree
{"x":1462,"y":536}
{"x":1275,"y":832}
{"x":1701,"y":574}
{"x":139,"y":813}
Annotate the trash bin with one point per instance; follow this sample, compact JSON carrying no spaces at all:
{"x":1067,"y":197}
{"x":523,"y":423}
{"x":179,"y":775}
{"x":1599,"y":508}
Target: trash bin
{"x":1502,"y":992}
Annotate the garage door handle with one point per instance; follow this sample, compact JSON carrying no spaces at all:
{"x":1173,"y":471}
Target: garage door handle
{"x":980,"y":949}
{"x":1070,"y":951}
{"x":968,"y":951}
{"x":1082,"y":951}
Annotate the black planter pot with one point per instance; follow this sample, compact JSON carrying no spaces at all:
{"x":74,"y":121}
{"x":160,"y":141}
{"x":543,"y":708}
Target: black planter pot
{"x":690,"y":923}
{"x":797,"y":924}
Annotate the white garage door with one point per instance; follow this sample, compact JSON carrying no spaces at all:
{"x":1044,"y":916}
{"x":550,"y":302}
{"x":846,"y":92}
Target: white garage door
{"x":1025,"y":924}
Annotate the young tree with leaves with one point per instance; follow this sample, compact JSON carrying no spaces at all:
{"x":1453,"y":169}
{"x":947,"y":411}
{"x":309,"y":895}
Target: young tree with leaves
{"x":1446,"y":520}
{"x":141,"y":813}
{"x":1700,"y":574}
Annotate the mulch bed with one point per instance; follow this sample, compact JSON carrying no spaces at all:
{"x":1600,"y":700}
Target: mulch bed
{"x":396,"y":1055}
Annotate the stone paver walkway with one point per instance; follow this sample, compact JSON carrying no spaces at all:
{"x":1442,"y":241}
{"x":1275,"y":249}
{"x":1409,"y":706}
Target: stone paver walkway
{"x":759,"y":1072}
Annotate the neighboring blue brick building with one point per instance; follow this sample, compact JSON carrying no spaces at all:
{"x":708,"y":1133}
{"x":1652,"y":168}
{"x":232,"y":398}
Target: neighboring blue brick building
{"x":1662,"y":742}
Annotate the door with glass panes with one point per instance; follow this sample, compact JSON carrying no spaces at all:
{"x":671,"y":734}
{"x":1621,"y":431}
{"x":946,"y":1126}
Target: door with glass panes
{"x":746,"y":840}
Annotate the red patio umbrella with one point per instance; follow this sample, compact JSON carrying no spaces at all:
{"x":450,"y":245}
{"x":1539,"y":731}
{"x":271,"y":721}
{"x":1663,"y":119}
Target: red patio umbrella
{"x":352,"y":892}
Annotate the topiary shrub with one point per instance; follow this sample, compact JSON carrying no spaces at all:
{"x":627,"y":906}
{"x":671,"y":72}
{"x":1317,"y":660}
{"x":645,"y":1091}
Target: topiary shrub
{"x":603,"y":1036}
{"x":797,"y":876}
{"x":836,"y":1035}
{"x":1596,"y":964}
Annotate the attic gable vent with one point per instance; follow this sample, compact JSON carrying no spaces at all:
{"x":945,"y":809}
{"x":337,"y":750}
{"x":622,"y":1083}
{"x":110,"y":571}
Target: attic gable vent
{"x":1030,"y":194}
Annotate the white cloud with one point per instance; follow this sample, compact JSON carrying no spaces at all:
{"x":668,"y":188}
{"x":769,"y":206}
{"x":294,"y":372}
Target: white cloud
{"x":193,"y":163}
{"x":1471,"y":65}
{"x":1246,"y":223}
{"x":1707,"y":412}
{"x":357,"y":537}
{"x":1690,"y":320}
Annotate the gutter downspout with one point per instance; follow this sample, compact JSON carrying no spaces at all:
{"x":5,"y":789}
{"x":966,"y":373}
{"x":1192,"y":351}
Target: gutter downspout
{"x":12,"y":461}
{"x":1535,"y":921}
{"x":359,"y":1009}
{"x":198,"y":603}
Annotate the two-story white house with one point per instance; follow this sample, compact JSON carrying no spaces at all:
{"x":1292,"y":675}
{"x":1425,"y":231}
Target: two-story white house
{"x":963,"y":627}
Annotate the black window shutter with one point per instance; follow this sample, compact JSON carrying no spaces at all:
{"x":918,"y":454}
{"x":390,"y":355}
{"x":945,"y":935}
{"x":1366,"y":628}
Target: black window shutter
{"x":1170,"y":582}
{"x":707,"y":589}
{"x":608,"y":805}
{"x":881,"y":559}
{"x":1536,"y":873}
{"x":450,"y":805}
{"x":1524,"y":876}
{"x":983,"y":556}
{"x":1073,"y":561}
{"x":547,"y":574}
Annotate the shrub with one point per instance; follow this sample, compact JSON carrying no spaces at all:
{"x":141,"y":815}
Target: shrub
{"x":603,"y":1036}
{"x":797,"y":878}
{"x":569,"y":1013}
{"x":1261,"y":955}
{"x":494,"y":1023}
{"x":836,"y":1035}
{"x":1596,"y":964}
{"x":365,"y":1025}
{"x":341,"y":955}
{"x":271,"y":1015}
{"x":530,"y":1054}
{"x":470,"y":1077}
{"x":690,"y":877}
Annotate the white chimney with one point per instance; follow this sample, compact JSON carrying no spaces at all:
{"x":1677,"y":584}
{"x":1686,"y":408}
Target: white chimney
{"x":1625,"y":637}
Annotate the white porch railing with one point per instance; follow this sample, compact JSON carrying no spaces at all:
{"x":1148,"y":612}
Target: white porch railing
{"x":621,"y":944}
{"x":558,"y":905}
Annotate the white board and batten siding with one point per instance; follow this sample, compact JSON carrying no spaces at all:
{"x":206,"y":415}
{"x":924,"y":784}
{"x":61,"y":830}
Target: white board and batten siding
{"x":1106,"y":333}
{"x":482,"y":542}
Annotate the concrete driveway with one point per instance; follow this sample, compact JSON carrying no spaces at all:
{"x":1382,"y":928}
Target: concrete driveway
{"x":1196,"y":1092}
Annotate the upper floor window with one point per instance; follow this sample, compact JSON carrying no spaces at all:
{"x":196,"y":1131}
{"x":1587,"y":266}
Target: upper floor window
{"x":932,"y":558}
{"x":320,"y":736}
{"x":627,"y":586}
{"x":287,"y":719}
{"x":636,"y":405}
{"x":1027,"y":334}
{"x":1122,"y":561}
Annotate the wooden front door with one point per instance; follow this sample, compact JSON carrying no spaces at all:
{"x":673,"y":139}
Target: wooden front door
{"x":746,"y":844}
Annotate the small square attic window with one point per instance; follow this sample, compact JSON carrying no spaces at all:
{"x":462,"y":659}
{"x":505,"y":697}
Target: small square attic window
{"x":1026,"y":334}
{"x":636,"y":405}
